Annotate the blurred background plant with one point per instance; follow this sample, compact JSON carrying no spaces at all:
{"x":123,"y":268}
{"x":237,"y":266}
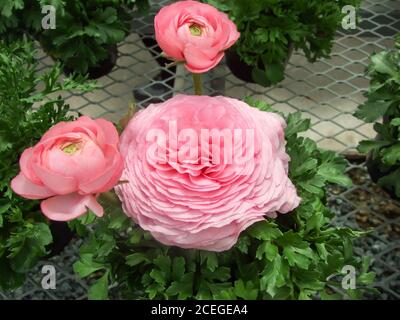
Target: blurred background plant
{"x":383,"y":102}
{"x":272,"y":29}
{"x":86,"y":33}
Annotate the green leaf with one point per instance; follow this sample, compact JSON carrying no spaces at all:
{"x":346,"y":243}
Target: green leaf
{"x":391,"y":155}
{"x":367,"y":146}
{"x":275,"y":72}
{"x":298,"y":257}
{"x":221,"y":274}
{"x":334,"y":173}
{"x":273,"y":276}
{"x":183,"y":287}
{"x":3,"y":209}
{"x":243,"y":244}
{"x":260,"y":77}
{"x":370,"y":111}
{"x":322,"y":251}
{"x":159,"y":276}
{"x":328,"y":296}
{"x":264,"y":230}
{"x":267,"y":249}
{"x":28,"y":246}
{"x":99,"y":290}
{"x":86,"y":266}
{"x":119,"y":219}
{"x":9,"y":279}
{"x":366,"y":278}
{"x":9,"y":6}
{"x":395,"y":122}
{"x":154,"y":289}
{"x":391,"y":181}
{"x":381,"y":63}
{"x":164,"y":263}
{"x":211,"y":259}
{"x":204,"y":292}
{"x":296,"y":124}
{"x":135,"y":236}
{"x":88,"y":218}
{"x":246,"y":291}
{"x":261,"y":105}
{"x":135,"y":259}
{"x":296,"y":251}
{"x":222,"y":291}
{"x":178,"y":268}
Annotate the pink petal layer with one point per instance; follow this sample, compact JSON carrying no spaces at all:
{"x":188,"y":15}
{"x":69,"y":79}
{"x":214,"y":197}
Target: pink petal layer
{"x":69,"y":207}
{"x":55,"y":181}
{"x":27,"y":189}
{"x":193,"y":202}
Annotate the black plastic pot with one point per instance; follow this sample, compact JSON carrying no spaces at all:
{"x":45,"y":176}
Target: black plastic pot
{"x":104,"y":67}
{"x":238,"y":67}
{"x":62,"y":235}
{"x":241,"y":69}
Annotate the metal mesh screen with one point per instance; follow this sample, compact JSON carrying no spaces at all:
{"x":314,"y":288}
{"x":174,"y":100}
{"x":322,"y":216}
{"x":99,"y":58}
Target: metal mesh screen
{"x":327,"y":92}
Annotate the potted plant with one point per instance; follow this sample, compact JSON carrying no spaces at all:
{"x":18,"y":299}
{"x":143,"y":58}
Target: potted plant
{"x":289,"y":258}
{"x":171,"y":221}
{"x":271,"y":30}
{"x":383,"y":102}
{"x":86,"y":34}
{"x":25,"y":235}
{"x":85,"y":39}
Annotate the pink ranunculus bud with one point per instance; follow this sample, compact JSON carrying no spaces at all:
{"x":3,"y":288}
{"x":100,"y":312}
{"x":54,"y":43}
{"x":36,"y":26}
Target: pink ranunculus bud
{"x":71,"y":164}
{"x":195,"y":33}
{"x":202,"y":169}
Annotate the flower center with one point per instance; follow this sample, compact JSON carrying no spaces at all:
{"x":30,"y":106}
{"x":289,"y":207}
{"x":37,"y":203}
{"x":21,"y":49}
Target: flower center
{"x":195,"y":30}
{"x":70,"y":148}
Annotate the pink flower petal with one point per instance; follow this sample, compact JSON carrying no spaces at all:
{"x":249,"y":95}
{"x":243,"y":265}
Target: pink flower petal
{"x":108,"y":178}
{"x":173,"y":33}
{"x":71,"y":206}
{"x":55,"y":181}
{"x":200,"y":61}
{"x":195,"y":203}
{"x":27,"y":189}
{"x":110,"y":132}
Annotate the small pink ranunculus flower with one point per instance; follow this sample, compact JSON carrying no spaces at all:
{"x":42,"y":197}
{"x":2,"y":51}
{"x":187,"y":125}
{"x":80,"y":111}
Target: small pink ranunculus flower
{"x":202,"y":169}
{"x":71,"y":164}
{"x":196,"y":33}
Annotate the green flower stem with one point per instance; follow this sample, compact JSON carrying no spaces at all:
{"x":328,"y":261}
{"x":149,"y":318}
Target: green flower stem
{"x":108,"y":197}
{"x":197,"y":84}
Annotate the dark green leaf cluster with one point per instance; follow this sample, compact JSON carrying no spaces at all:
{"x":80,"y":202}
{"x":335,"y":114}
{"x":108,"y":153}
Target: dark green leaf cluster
{"x":383,"y":101}
{"x":270,"y":28}
{"x":295,"y":256}
{"x":21,"y":17}
{"x":84,"y":29}
{"x":27,"y":113}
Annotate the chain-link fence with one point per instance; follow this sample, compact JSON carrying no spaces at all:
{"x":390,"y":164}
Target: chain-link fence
{"x":327,"y":92}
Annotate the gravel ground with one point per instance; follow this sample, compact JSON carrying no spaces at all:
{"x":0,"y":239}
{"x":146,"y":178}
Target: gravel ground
{"x":364,"y":206}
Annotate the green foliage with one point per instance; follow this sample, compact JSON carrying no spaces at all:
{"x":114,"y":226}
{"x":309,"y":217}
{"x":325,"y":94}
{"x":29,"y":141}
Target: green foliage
{"x":383,"y":101}
{"x":269,"y":28}
{"x":290,"y":257}
{"x":84,"y":29}
{"x":24,"y":233}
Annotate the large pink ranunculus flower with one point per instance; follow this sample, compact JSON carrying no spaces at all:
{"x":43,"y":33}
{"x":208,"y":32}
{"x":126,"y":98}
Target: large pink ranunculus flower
{"x":195,"y":187}
{"x":71,"y":164}
{"x":196,"y":33}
